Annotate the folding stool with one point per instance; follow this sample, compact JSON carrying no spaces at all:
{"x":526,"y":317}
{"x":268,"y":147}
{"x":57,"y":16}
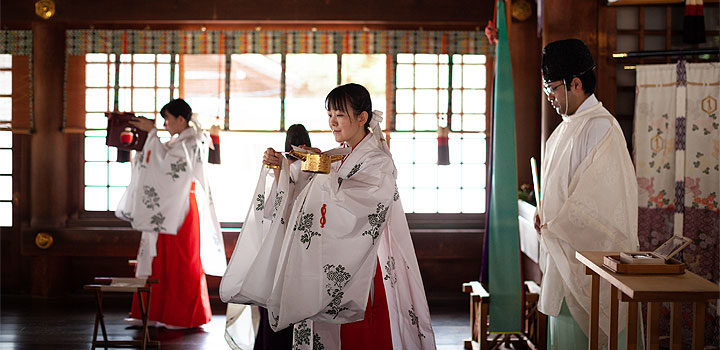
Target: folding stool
{"x":122,"y":285}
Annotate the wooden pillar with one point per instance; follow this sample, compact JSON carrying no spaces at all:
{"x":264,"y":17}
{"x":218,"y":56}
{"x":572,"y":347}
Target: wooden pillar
{"x":48,"y":155}
{"x":525,"y":53}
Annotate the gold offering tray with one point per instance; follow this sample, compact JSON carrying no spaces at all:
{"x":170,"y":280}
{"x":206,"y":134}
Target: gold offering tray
{"x":316,"y":162}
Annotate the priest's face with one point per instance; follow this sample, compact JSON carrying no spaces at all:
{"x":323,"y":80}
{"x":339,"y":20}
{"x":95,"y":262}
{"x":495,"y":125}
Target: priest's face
{"x":346,"y":126}
{"x":173,"y":124}
{"x":557,"y":96}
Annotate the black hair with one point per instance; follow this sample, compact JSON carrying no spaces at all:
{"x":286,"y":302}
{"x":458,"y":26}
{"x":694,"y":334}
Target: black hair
{"x":567,"y":59}
{"x":588,"y":81}
{"x":296,"y":135}
{"x":354,"y":95}
{"x":178,"y":108}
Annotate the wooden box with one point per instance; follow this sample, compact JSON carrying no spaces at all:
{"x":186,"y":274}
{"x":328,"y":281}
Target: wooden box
{"x":659,"y":261}
{"x":671,"y":266}
{"x":117,"y":124}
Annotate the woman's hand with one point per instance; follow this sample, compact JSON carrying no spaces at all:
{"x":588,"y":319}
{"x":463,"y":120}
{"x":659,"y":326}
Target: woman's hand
{"x":271,"y":157}
{"x":274,"y":160}
{"x":142,"y":123}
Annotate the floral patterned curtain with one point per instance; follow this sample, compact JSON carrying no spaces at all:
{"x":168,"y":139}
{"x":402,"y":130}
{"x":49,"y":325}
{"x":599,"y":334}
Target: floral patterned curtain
{"x":677,"y":143}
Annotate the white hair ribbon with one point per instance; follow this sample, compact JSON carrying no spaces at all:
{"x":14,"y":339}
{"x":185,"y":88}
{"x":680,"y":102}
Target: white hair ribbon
{"x":378,"y":133}
{"x":375,"y":119}
{"x":195,"y":123}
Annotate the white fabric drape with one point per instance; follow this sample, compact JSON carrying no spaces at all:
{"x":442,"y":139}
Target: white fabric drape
{"x":157,"y":198}
{"x":677,"y":143}
{"x":676,"y":137}
{"x":311,"y":259}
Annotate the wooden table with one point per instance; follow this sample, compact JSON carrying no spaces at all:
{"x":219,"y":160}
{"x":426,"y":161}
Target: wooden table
{"x":653,"y":289}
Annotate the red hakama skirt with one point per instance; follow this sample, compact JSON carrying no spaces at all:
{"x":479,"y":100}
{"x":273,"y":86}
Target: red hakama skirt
{"x":373,"y":332}
{"x":180,"y":298}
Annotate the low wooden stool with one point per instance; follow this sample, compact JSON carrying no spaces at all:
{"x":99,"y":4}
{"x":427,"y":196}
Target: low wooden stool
{"x":479,"y":307}
{"x":535,"y":322}
{"x":122,"y":285}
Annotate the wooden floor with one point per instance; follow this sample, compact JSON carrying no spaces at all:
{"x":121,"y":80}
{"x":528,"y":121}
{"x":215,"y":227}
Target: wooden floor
{"x":44,"y":324}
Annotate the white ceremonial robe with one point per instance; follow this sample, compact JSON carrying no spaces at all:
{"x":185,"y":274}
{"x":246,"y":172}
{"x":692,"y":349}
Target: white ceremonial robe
{"x":594,"y":209}
{"x":157,"y":198}
{"x":312,"y":261}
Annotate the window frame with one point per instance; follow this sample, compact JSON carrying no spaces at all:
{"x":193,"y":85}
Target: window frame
{"x":82,"y":217}
{"x":449,"y":89}
{"x":7,"y":128}
{"x":21,"y":126}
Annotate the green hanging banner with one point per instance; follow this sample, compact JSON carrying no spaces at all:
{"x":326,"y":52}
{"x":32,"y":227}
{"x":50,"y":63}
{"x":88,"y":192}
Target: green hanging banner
{"x":504,"y":278}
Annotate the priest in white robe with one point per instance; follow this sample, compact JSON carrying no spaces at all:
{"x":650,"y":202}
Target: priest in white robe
{"x":331,"y":254}
{"x":588,"y":192}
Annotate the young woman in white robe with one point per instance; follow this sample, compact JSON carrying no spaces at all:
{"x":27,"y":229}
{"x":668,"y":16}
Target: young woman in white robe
{"x":169,"y":201}
{"x":266,"y":338}
{"x":331,"y":254}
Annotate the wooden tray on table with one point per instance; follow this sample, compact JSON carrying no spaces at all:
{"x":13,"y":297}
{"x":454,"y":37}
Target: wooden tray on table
{"x":672,"y":266}
{"x":659,"y":261}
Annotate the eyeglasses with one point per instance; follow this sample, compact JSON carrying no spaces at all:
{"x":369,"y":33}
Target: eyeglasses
{"x":551,"y":89}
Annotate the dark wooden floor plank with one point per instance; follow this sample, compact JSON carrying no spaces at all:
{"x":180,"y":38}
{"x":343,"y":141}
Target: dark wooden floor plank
{"x":67,"y":323}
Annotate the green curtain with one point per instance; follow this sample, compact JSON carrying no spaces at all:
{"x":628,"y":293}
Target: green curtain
{"x":505,"y":281}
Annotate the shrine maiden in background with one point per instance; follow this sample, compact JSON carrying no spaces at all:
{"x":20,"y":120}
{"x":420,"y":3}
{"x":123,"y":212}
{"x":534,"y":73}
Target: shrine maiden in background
{"x":267,"y":339}
{"x":169,"y":201}
{"x":589,"y":196}
{"x":331,"y":254}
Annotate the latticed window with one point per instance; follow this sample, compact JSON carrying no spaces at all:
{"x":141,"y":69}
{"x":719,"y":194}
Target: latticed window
{"x":428,"y":94}
{"x":137,"y":83}
{"x":440,"y":91}
{"x":5,"y":140}
{"x":254,"y":85}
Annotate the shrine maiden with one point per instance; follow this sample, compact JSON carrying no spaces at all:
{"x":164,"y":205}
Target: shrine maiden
{"x":169,"y":201}
{"x":331,"y":254}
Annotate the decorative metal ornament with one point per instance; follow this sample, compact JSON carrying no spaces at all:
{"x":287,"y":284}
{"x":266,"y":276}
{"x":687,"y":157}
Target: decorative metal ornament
{"x":521,"y":10}
{"x":316,"y":163}
{"x":43,"y":240}
{"x":45,"y":8}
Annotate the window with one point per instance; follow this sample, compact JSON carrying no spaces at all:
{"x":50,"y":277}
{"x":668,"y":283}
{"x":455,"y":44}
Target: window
{"x":255,"y":92}
{"x":425,"y":85}
{"x":203,"y":83}
{"x":369,"y":71}
{"x":308,"y":79}
{"x":268,"y":93}
{"x":5,"y":140}
{"x":142,"y":87}
{"x":257,"y":120}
